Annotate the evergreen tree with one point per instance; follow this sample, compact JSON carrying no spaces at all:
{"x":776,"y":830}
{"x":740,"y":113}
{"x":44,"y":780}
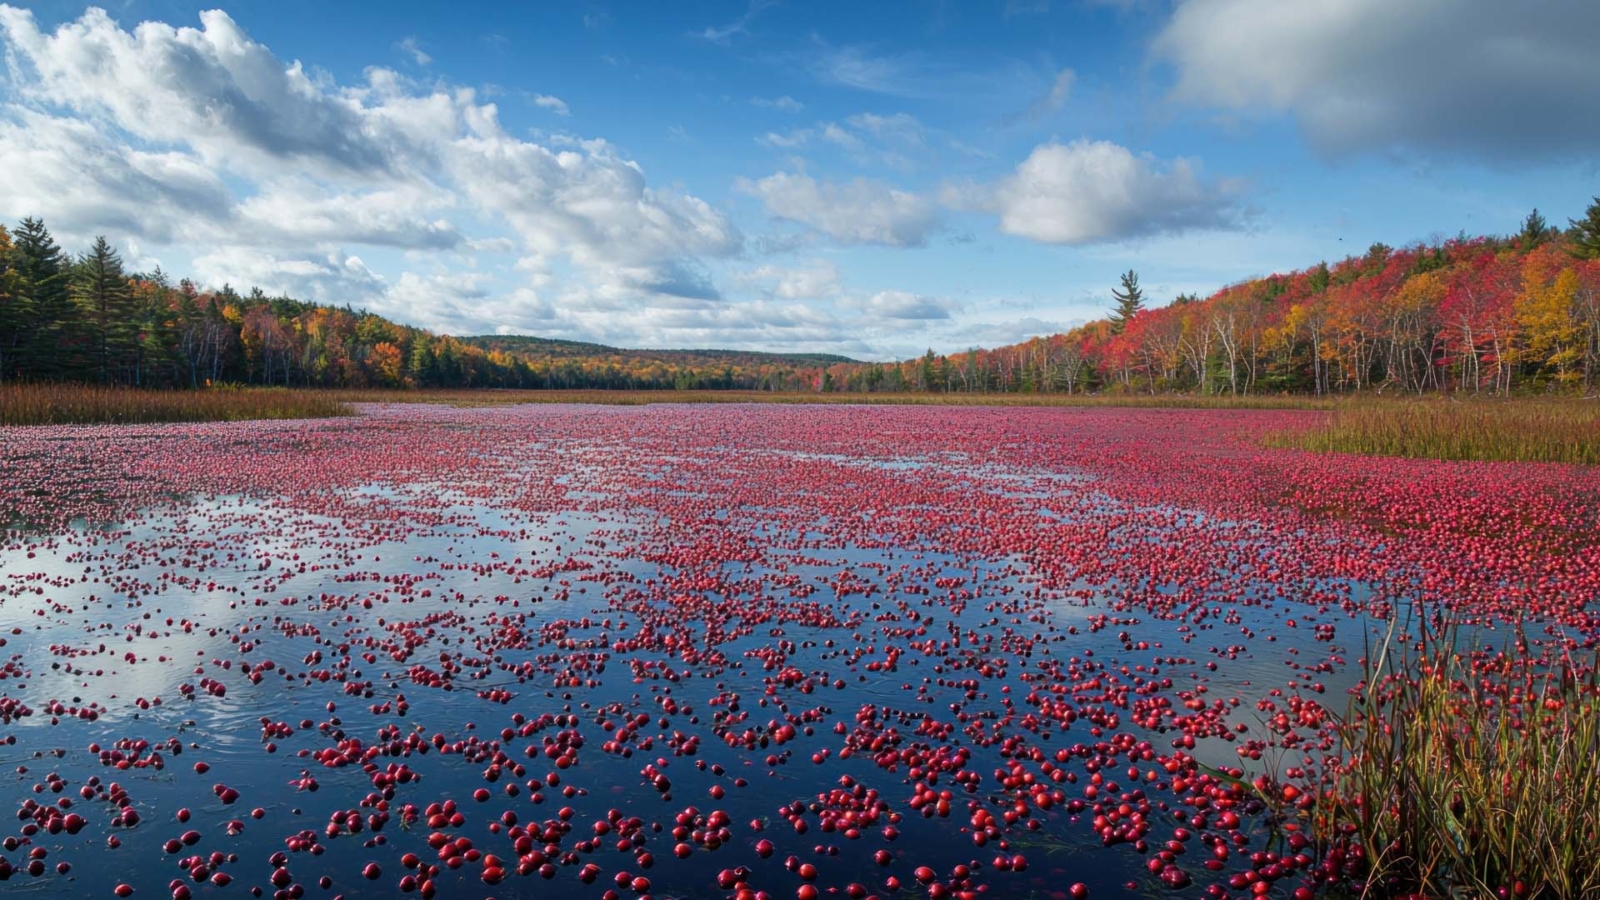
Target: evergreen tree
{"x":1535,"y":230}
{"x":157,"y":330}
{"x":1585,"y":233}
{"x":16,"y":307}
{"x":100,"y":288}
{"x":420,"y":367}
{"x":925,"y":370}
{"x":1130,"y":299}
{"x":1319,"y":279}
{"x":45,"y":273}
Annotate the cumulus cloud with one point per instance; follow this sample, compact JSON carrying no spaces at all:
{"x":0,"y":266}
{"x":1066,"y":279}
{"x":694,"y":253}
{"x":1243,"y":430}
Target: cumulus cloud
{"x":88,"y":183}
{"x":902,"y":305}
{"x":816,"y":281}
{"x":212,"y":88}
{"x":855,"y":212}
{"x":589,"y":202}
{"x":1501,"y":80}
{"x":1089,"y":191}
{"x":205,"y":137}
{"x":336,"y":278}
{"x":297,"y":211}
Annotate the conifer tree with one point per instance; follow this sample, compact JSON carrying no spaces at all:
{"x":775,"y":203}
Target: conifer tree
{"x":1130,"y":299}
{"x":16,"y":307}
{"x":104,"y":299}
{"x":1535,"y":230}
{"x":1585,"y":233}
{"x":45,"y":273}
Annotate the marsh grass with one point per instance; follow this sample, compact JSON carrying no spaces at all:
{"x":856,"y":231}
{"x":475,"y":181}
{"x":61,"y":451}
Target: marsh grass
{"x":76,"y":404}
{"x":498,"y":397}
{"x":1515,"y":430}
{"x":1470,"y":775}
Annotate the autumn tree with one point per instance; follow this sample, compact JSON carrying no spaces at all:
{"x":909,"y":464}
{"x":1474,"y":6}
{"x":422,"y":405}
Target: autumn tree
{"x":1546,"y":311}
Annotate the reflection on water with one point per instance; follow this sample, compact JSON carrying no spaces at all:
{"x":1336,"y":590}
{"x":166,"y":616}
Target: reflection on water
{"x":256,"y":634}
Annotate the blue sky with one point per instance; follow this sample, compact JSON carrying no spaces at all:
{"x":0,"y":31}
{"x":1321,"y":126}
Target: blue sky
{"x":866,"y":178}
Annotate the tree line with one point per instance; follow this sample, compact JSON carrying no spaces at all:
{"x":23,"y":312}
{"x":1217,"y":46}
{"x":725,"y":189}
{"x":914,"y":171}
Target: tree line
{"x":1493,"y":315}
{"x":85,"y":318}
{"x":1496,"y":315}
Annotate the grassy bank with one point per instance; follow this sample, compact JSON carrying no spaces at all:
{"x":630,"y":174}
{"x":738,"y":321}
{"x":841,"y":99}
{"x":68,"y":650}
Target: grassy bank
{"x":76,"y":404}
{"x":1529,"y":430}
{"x":1468,"y":775}
{"x":1524,"y":430}
{"x":642,"y":398}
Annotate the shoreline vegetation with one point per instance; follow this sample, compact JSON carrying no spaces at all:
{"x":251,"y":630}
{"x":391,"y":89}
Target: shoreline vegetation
{"x":1505,"y":316}
{"x":1421,"y":802}
{"x":1526,"y":429}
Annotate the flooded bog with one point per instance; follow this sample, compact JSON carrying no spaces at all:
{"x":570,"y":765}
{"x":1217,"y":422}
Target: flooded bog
{"x":720,"y":651}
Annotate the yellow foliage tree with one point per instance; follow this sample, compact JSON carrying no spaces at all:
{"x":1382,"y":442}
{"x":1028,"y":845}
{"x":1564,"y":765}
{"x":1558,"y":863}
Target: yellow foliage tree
{"x":1546,"y":311}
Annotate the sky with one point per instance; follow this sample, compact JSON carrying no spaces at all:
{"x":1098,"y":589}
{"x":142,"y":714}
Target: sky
{"x":873,"y":179}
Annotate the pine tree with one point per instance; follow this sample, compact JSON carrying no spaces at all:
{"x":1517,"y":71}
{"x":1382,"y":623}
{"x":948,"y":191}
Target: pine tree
{"x":1585,"y":233}
{"x":1130,"y":299}
{"x":1535,"y":230}
{"x":16,"y":307}
{"x":53,"y":329}
{"x":157,"y":330}
{"x":100,"y":288}
{"x":1319,"y":278}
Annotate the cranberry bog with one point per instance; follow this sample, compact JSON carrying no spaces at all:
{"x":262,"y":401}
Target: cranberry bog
{"x":731,"y":650}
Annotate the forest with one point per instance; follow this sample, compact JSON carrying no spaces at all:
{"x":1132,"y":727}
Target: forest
{"x":1487,"y":315}
{"x":1484,"y":315}
{"x":86,"y":319}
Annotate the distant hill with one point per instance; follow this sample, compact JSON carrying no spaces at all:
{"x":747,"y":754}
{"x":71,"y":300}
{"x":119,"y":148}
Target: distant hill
{"x":537,"y":348}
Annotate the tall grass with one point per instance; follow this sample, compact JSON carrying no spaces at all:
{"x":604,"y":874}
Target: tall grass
{"x":1470,"y":779}
{"x":486,"y":397}
{"x":1522,"y":430}
{"x":67,"y":404}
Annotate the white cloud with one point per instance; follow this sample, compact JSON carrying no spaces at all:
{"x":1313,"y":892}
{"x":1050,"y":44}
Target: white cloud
{"x":336,"y":278}
{"x":411,"y":48}
{"x":212,"y":88}
{"x":1500,"y":80}
{"x":297,"y":211}
{"x":554,"y":104}
{"x":818,"y":280}
{"x":1089,"y":191}
{"x":88,"y":184}
{"x":589,"y":203}
{"x":202,"y":135}
{"x":903,"y":305}
{"x":788,"y":140}
{"x":855,"y":212}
